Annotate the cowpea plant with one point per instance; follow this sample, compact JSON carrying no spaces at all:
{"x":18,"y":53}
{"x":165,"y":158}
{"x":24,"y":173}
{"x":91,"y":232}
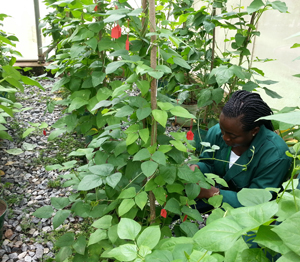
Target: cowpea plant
{"x":129,"y":164}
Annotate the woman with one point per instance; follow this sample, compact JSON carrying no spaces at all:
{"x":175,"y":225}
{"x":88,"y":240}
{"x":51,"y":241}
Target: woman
{"x":238,"y":134}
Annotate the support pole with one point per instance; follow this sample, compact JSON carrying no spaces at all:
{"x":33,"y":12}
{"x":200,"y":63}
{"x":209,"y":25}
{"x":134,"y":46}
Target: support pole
{"x":153,"y":95}
{"x":41,"y":58}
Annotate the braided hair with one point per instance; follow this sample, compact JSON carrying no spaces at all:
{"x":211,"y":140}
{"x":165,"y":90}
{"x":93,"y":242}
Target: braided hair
{"x":250,"y":107}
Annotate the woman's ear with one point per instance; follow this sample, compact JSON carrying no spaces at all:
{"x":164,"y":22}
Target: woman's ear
{"x":255,"y":130}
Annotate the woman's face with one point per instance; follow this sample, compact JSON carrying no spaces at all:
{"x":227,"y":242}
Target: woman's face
{"x":233,"y":133}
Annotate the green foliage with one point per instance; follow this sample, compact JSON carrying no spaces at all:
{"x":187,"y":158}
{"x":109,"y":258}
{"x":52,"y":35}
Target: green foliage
{"x":134,"y":169}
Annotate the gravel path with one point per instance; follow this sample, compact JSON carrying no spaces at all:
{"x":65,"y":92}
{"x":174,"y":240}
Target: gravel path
{"x":25,"y":236}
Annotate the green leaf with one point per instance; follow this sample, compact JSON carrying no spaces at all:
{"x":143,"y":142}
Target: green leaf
{"x":5,"y":135}
{"x":160,"y":256}
{"x":173,"y":206}
{"x":97,"y":236}
{"x":148,"y":168}
{"x":60,"y":202}
{"x":144,"y":86}
{"x":126,"y":252}
{"x":289,"y":118}
{"x":128,"y":229}
{"x":44,"y":212}
{"x":128,"y":193}
{"x":79,"y":245}
{"x":253,"y":196}
{"x":143,"y":154}
{"x":181,"y":112}
{"x":149,"y":237}
{"x":189,"y":228}
{"x":257,"y":253}
{"x":60,"y":217}
{"x":28,"y":131}
{"x":131,"y":138}
{"x":63,"y":254}
{"x":271,"y":93}
{"x":28,"y":81}
{"x":219,"y":235}
{"x":192,"y":190}
{"x":179,"y":145}
{"x":125,"y":206}
{"x":280,"y":6}
{"x":141,"y":199}
{"x":102,"y":170}
{"x":289,"y":232}
{"x":65,"y":240}
{"x":193,"y":213}
{"x":76,"y":103}
{"x":234,"y":253}
{"x":250,"y":86}
{"x":255,"y":6}
{"x":113,"y":18}
{"x":92,"y":43}
{"x":114,"y":179}
{"x":144,"y":134}
{"x":97,"y":78}
{"x":181,"y":62}
{"x":113,"y":66}
{"x":168,"y":173}
{"x":268,"y":238}
{"x":142,"y":113}
{"x":120,"y":90}
{"x":295,"y":45}
{"x":89,"y":182}
{"x":124,"y":111}
{"x":159,"y":157}
{"x":14,"y":151}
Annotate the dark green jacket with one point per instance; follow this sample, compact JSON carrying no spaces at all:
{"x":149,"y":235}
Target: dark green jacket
{"x":268,"y":167}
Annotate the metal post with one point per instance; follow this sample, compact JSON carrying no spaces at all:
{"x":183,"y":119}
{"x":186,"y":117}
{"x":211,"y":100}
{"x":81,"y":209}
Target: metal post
{"x":41,"y":58}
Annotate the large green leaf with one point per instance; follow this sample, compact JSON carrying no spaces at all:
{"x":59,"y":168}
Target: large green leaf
{"x":181,"y":62}
{"x":289,"y":118}
{"x":14,"y":151}
{"x":219,"y":235}
{"x":128,"y":193}
{"x":149,"y":237}
{"x":128,"y":229}
{"x":255,"y":6}
{"x":280,"y":6}
{"x":80,"y":245}
{"x":159,"y":157}
{"x":60,"y":202}
{"x":181,"y":112}
{"x":113,"y":66}
{"x":189,"y":228}
{"x":173,"y":206}
{"x":103,"y":222}
{"x":65,"y":240}
{"x":125,"y":206}
{"x":254,"y":216}
{"x":97,"y":236}
{"x":113,"y":18}
{"x":126,"y":252}
{"x":102,"y":170}
{"x":254,"y":254}
{"x":268,"y":238}
{"x":234,"y":253}
{"x":89,"y":182}
{"x":60,"y":217}
{"x":28,"y":81}
{"x":148,"y":168}
{"x":124,"y":111}
{"x":253,"y":196}
{"x":289,"y":232}
{"x":160,"y":116}
{"x":76,"y":103}
{"x":113,"y":179}
{"x":44,"y":212}
{"x":160,"y":256}
{"x":141,"y":199}
{"x":143,"y":154}
{"x":168,"y":173}
{"x":192,"y":190}
{"x":193,"y":213}
{"x":97,"y":78}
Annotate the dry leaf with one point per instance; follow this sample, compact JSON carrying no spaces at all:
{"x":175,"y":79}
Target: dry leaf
{"x":9,"y":163}
{"x":2,"y":173}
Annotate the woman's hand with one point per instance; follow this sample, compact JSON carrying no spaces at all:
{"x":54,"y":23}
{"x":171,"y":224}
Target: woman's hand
{"x":207,"y":193}
{"x":193,"y":167}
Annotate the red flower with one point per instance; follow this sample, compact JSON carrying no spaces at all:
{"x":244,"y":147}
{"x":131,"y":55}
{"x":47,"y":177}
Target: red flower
{"x":116,"y":32}
{"x":96,"y":8}
{"x":163,"y":213}
{"x":190,"y":135}
{"x":44,"y":132}
{"x":185,"y":217}
{"x":127,"y":44}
